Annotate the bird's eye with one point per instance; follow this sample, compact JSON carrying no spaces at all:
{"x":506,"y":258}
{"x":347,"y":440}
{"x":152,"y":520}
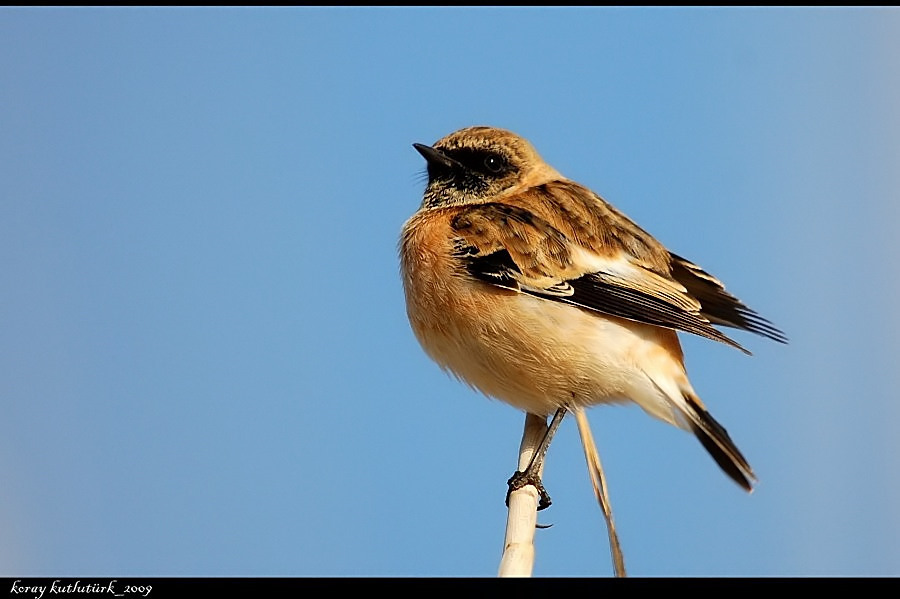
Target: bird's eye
{"x":493,"y":163}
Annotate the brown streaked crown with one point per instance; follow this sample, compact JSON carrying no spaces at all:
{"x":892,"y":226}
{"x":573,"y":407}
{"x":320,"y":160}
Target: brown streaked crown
{"x":476,"y":164}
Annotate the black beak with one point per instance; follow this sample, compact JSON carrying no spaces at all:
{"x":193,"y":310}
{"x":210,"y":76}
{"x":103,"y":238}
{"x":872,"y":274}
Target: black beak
{"x":436,"y":158}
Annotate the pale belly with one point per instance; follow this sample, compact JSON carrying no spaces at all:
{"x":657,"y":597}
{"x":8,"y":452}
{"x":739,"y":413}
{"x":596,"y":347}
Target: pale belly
{"x":537,"y":354}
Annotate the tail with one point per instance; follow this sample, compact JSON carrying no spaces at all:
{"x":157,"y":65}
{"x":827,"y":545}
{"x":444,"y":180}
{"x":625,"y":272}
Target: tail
{"x":715,"y":439}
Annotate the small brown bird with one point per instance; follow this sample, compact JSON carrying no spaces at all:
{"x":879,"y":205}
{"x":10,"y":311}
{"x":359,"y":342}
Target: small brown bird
{"x":534,"y":290}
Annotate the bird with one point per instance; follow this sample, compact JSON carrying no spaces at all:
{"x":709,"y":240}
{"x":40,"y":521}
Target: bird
{"x":534,"y":290}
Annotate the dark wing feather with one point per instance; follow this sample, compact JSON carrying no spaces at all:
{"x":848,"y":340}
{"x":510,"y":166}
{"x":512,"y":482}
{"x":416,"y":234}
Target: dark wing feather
{"x":719,"y":306}
{"x":511,"y":247}
{"x":593,"y":293}
{"x":497,"y":268}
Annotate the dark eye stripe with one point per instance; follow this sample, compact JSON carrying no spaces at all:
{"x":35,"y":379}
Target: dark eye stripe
{"x":487,"y":162}
{"x":493,"y":163}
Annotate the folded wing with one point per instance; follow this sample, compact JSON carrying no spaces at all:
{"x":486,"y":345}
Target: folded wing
{"x":563,"y":243}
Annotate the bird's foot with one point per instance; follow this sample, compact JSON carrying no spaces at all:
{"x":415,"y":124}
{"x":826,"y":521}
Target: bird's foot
{"x":522,"y":479}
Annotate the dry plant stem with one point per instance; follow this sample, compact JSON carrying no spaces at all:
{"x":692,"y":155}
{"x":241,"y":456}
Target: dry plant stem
{"x":518,"y":546}
{"x":598,"y":480}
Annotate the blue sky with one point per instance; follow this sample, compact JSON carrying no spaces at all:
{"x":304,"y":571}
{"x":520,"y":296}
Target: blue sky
{"x":205,"y":363}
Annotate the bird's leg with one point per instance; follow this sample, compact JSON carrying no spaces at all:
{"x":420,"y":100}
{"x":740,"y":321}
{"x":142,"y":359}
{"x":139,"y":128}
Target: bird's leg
{"x":531,"y":475}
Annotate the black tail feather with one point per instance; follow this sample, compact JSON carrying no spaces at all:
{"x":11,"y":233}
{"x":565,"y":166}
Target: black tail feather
{"x":715,"y":439}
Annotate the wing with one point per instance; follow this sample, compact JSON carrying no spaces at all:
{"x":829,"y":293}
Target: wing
{"x":719,"y":306}
{"x":562,"y":242}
